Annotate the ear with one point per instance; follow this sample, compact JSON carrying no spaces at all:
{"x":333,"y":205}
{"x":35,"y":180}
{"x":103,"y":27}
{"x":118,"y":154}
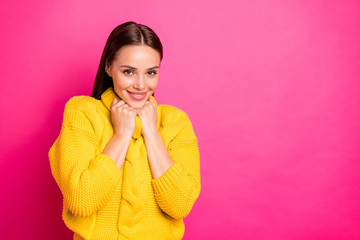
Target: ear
{"x":108,"y":68}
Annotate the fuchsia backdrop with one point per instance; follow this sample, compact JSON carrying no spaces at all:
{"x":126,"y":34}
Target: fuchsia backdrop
{"x":271,"y":86}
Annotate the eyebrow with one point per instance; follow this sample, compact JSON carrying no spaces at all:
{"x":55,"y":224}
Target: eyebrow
{"x":127,"y":66}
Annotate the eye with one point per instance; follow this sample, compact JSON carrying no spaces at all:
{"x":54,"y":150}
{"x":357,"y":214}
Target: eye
{"x":128,"y":71}
{"x":152,"y":73}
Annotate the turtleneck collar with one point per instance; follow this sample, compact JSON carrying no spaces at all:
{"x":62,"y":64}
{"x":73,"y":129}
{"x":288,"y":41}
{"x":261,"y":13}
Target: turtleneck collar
{"x":107,"y":98}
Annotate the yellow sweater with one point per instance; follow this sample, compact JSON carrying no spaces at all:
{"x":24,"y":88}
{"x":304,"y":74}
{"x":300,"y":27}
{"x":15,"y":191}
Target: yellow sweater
{"x":102,"y":201}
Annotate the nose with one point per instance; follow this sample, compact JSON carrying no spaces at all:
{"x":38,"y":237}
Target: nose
{"x":139,"y":82}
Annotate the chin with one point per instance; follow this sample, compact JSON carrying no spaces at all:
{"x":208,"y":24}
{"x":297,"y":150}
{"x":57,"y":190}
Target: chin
{"x":137,"y":104}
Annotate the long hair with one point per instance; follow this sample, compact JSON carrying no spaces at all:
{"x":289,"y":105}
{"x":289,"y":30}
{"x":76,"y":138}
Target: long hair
{"x":129,"y":33}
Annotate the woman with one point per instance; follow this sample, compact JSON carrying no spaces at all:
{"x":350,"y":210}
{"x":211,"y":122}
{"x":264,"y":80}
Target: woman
{"x":127,"y":167}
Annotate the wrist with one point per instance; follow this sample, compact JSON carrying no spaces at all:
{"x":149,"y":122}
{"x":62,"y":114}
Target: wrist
{"x":151,"y":133}
{"x":118,"y":137}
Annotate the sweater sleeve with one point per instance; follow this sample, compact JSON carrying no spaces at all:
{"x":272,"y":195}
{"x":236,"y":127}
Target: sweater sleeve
{"x":86,"y":177}
{"x":178,"y":188}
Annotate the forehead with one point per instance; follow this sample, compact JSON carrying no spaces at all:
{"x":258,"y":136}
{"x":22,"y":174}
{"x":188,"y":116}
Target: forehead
{"x":137,"y":55}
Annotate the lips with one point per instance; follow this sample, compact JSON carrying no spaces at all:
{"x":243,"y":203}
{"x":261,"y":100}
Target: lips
{"x":137,"y":95}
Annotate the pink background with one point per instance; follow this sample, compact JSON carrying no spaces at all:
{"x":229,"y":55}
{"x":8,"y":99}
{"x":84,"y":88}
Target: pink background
{"x":271,"y":86}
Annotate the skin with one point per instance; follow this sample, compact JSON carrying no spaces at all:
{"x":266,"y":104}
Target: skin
{"x":135,"y":69}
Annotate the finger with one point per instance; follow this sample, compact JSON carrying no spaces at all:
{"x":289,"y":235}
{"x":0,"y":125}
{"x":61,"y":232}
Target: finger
{"x":140,"y":111}
{"x":118,"y":104}
{"x":133,"y":111}
{"x":115,"y":101}
{"x":127,"y":107}
{"x":149,"y":105}
{"x":151,"y":100}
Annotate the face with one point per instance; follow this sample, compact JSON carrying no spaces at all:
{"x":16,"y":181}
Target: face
{"x":134,"y":71}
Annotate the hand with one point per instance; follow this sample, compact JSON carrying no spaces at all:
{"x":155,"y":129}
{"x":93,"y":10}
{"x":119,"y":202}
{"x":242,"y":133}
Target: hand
{"x":148,"y":115}
{"x":122,"y":118}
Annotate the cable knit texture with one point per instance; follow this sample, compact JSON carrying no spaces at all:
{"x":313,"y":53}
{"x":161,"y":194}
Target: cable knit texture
{"x":102,"y":201}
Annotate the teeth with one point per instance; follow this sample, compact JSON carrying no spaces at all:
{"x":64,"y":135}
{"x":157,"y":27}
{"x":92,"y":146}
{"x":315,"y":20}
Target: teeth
{"x":137,"y":95}
{"x":141,"y":95}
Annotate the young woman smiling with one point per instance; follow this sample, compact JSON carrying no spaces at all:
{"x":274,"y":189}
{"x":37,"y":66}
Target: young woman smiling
{"x":127,"y":167}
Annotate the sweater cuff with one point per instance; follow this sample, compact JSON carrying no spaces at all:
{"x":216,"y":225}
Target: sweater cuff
{"x":163,"y":183}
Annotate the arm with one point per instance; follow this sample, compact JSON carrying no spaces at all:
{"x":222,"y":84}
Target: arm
{"x":86,"y":177}
{"x":178,"y":188}
{"x":158,"y":156}
{"x":176,"y":169}
{"x":117,"y":148}
{"x":123,"y":122}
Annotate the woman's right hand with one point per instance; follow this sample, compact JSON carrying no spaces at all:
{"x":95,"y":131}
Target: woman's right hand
{"x":122,"y":118}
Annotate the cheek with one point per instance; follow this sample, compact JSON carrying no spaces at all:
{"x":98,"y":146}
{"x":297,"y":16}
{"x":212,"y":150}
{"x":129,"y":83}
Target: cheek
{"x":153,"y":83}
{"x":121,"y":83}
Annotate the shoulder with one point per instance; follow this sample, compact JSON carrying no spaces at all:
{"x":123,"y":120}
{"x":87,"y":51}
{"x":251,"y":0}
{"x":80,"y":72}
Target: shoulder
{"x":176,"y":123}
{"x":83,"y":104}
{"x":172,"y":114}
{"x":174,"y":118}
{"x":81,"y":111}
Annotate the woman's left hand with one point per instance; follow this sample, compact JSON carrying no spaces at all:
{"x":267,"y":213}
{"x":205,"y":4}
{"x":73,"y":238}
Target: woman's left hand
{"x":148,"y":115}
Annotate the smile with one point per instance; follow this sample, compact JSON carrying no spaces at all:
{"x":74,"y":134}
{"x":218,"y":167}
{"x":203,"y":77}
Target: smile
{"x":137,"y":95}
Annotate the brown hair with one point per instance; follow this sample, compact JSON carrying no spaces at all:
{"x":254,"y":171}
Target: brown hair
{"x":129,"y":33}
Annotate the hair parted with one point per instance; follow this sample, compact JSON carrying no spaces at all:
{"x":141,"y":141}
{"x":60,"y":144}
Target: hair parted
{"x":128,"y":33}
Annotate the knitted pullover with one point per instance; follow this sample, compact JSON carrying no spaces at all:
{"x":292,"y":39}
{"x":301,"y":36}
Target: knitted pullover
{"x":102,"y":201}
